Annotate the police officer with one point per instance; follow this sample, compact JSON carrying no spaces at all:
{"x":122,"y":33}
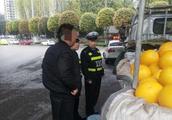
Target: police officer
{"x":91,"y":65}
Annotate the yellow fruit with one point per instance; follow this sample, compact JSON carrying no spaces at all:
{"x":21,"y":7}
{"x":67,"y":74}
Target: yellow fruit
{"x":147,"y":80}
{"x":157,"y":74}
{"x":131,"y":68}
{"x":165,"y":77}
{"x":165,"y":96}
{"x":144,"y":71}
{"x":149,"y":91}
{"x":149,"y":57}
{"x":166,"y":60}
{"x":154,"y":68}
{"x":165,"y":47}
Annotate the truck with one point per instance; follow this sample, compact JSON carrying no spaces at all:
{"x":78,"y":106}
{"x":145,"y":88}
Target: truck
{"x":157,"y":29}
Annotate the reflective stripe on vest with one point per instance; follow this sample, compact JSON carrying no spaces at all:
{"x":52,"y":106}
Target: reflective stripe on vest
{"x":99,"y":69}
{"x":91,"y":69}
{"x":96,"y":58}
{"x":95,"y":69}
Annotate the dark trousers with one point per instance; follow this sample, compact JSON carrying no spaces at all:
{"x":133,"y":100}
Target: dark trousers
{"x":76,"y":113}
{"x":92,"y":93}
{"x":62,"y":107}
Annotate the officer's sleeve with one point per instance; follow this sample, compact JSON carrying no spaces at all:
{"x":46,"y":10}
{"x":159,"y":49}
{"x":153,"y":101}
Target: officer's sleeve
{"x":84,"y":63}
{"x":65,"y":69}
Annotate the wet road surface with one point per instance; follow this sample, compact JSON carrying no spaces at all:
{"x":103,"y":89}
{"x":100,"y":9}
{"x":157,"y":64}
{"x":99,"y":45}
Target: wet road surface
{"x":22,"y":95}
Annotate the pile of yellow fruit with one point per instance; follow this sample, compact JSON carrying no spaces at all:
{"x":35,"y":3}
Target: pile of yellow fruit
{"x":155,"y":76}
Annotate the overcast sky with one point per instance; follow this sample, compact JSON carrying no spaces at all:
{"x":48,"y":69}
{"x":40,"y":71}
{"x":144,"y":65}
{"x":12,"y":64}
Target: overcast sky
{"x":2,"y":6}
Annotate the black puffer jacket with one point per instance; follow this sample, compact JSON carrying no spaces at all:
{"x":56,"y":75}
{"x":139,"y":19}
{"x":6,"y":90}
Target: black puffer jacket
{"x":59,"y":69}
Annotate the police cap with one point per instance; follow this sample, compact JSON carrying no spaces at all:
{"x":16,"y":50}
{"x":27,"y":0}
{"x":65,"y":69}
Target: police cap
{"x":92,"y":35}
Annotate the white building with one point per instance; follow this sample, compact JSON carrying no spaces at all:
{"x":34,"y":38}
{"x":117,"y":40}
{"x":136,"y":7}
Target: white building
{"x":10,"y":12}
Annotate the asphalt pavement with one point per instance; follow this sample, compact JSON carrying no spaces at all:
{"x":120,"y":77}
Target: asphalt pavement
{"x":22,"y":95}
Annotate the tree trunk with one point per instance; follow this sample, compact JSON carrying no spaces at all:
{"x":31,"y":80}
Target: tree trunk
{"x":105,"y":35}
{"x":55,"y":34}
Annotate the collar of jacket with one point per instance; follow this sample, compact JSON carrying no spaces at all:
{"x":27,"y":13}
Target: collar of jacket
{"x":64,"y":43}
{"x":92,"y":48}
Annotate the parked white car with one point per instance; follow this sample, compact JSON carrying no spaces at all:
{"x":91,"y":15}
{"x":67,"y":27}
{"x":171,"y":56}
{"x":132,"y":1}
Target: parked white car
{"x":114,"y":48}
{"x":13,"y":42}
{"x":48,"y":42}
{"x":36,"y":40}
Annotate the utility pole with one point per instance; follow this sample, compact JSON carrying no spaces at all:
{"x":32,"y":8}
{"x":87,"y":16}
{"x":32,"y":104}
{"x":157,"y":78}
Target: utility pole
{"x":32,"y":5}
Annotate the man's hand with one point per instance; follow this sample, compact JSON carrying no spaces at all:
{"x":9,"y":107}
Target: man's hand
{"x":74,"y":92}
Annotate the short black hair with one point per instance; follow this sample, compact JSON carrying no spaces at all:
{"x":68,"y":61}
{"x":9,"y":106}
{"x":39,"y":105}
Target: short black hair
{"x":64,"y":28}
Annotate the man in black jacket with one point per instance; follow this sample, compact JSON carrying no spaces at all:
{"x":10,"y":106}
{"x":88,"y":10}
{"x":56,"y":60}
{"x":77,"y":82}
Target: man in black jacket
{"x":59,"y":77}
{"x":74,"y":48}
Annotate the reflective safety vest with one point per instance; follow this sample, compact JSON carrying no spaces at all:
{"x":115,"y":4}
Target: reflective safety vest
{"x":95,"y":69}
{"x":91,"y":62}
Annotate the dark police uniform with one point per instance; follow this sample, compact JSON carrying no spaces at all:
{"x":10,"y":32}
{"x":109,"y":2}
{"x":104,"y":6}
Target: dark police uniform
{"x":91,"y":64}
